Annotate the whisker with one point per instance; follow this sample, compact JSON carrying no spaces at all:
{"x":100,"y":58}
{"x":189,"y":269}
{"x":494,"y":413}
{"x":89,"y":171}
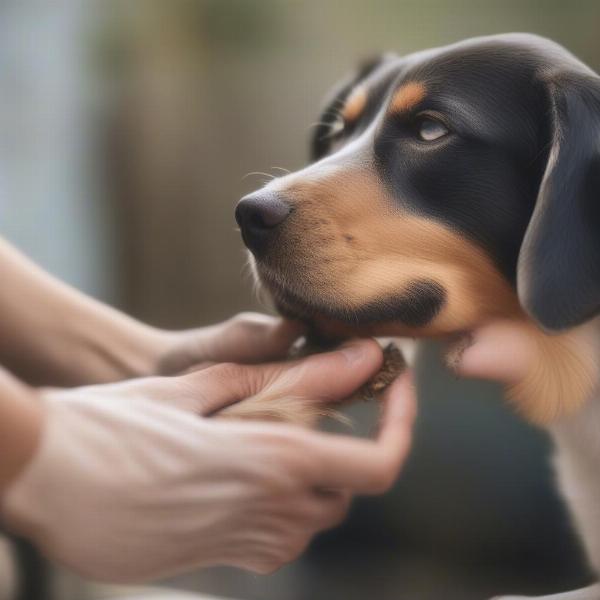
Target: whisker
{"x":256,"y":173}
{"x":282,"y":169}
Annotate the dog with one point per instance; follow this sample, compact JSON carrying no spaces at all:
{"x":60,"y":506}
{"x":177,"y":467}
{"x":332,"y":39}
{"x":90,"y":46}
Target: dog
{"x":447,"y":189}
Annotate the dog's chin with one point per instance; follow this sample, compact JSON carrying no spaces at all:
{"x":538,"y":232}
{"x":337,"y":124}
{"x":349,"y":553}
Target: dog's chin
{"x":330,"y":321}
{"x":310,"y":310}
{"x":326,"y":322}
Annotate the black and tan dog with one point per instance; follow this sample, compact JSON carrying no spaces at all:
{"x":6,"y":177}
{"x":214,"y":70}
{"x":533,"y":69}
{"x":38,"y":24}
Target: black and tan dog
{"x":449,"y":188}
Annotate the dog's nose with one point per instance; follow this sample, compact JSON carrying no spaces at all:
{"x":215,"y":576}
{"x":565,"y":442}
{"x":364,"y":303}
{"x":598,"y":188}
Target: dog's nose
{"x":258,"y":215}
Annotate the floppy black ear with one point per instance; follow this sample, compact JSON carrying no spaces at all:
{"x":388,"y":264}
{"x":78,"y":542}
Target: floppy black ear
{"x":321,"y":138}
{"x":558,"y":275}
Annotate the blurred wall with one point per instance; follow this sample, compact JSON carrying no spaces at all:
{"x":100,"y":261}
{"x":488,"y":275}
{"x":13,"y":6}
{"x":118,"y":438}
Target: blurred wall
{"x":209,"y":91}
{"x":129,"y":127}
{"x":51,"y":200}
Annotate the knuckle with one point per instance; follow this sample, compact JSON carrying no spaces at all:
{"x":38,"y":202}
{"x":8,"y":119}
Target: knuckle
{"x":384,"y":479}
{"x":257,"y":568}
{"x":225,"y":372}
{"x":340,"y":512}
{"x":301,"y":462}
{"x":334,"y":516}
{"x":295,"y":550}
{"x":300,"y":546}
{"x":290,"y":547}
{"x":251,"y":321}
{"x":267,"y":567}
{"x":246,"y":315}
{"x":337,"y":519}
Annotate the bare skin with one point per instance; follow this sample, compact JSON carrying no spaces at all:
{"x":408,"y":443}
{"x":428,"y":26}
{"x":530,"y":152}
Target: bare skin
{"x":250,"y":495}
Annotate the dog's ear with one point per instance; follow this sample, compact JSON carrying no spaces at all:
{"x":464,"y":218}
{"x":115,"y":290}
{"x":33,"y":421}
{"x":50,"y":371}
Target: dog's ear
{"x":326,"y":129}
{"x":558,"y":275}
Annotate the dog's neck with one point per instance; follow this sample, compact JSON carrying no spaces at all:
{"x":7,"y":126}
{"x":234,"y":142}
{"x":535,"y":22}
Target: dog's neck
{"x":578,"y":434}
{"x":576,"y":439}
{"x":581,"y":428}
{"x":563,"y":375}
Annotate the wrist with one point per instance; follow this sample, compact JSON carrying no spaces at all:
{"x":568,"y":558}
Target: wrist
{"x":121,"y":349}
{"x":94,"y":343}
{"x":22,"y":419}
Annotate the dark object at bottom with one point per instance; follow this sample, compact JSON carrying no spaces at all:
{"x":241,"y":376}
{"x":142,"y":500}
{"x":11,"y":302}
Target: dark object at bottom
{"x":33,"y":572}
{"x":393,"y":365}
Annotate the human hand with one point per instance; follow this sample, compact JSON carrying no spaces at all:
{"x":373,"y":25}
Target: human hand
{"x":546,"y":376}
{"x":504,"y":351}
{"x":245,"y":338}
{"x":131,"y":483}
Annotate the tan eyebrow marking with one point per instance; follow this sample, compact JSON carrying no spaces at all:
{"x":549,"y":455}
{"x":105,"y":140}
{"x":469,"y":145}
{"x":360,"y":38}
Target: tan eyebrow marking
{"x":355,"y":103}
{"x":407,"y":96}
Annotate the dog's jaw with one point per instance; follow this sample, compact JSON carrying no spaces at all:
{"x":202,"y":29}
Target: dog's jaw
{"x":556,"y":384}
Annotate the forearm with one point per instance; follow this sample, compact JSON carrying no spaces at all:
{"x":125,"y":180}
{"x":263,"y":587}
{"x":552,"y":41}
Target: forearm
{"x":21,"y":421}
{"x":51,"y":334}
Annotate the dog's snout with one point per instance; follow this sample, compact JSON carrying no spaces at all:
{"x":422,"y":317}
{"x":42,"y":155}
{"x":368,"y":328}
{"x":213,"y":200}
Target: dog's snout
{"x":258,"y":215}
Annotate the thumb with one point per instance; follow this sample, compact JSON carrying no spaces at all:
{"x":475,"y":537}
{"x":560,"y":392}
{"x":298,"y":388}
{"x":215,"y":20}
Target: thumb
{"x":325,"y":377}
{"x":500,"y":351}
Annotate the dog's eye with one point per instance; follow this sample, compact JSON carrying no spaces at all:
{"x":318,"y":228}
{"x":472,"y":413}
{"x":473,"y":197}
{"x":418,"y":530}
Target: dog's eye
{"x":430,"y":129}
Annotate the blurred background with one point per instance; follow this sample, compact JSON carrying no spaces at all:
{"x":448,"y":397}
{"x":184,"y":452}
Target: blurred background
{"x":127,"y":128}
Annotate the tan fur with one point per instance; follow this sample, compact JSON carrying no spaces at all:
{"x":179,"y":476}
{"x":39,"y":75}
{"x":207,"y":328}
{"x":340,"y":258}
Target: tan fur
{"x":406,"y":97}
{"x":563,"y":377}
{"x":278,"y":406}
{"x":355,"y":104}
{"x":352,"y":244}
{"x":275,"y":403}
{"x":357,"y":246}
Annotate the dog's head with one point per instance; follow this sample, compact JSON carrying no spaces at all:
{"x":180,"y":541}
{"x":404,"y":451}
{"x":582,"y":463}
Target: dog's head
{"x":447,"y":187}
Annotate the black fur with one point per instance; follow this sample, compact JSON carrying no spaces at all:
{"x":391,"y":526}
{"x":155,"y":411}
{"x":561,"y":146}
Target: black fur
{"x":559,"y":266}
{"x":518,"y":172}
{"x":510,"y":102}
{"x":321,"y":139}
{"x":417,"y":306}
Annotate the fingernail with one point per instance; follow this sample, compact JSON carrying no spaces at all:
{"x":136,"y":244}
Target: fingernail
{"x":354,"y":352}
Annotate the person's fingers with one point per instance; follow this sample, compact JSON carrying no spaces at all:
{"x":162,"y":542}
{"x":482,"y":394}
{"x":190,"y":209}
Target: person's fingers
{"x":190,"y":349}
{"x":320,"y":514}
{"x":501,"y":351}
{"x":333,"y":508}
{"x":366,"y":466}
{"x":312,"y":510}
{"x":256,"y":338}
{"x":199,"y":367}
{"x":249,"y":338}
{"x":323,"y":378}
{"x":334,"y":375}
{"x":246,"y":338}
